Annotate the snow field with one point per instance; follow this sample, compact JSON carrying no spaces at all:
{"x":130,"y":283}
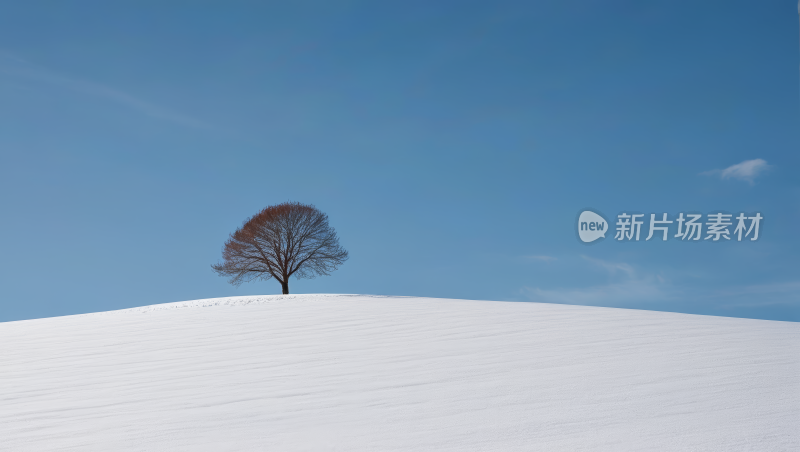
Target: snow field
{"x":362,"y":373}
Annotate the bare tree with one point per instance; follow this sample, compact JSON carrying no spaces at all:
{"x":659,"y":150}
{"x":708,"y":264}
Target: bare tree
{"x":281,"y":241}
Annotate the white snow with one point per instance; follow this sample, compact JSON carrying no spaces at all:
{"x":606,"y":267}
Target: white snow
{"x":361,"y":373}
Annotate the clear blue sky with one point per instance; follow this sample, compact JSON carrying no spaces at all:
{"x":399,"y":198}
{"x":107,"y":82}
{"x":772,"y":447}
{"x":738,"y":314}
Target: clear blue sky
{"x":451,"y":143}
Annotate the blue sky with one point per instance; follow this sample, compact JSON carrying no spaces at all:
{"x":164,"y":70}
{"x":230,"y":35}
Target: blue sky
{"x":452,"y":145}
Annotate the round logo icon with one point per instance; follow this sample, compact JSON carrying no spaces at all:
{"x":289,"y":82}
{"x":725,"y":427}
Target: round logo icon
{"x":591,"y":226}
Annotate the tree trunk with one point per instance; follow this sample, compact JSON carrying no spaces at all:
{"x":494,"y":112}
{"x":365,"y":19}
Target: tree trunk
{"x":285,"y":287}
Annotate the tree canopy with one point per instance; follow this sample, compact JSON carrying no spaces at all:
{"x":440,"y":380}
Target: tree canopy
{"x":289,"y":239}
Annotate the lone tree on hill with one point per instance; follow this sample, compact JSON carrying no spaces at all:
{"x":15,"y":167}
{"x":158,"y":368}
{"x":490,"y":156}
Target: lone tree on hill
{"x":281,"y":241}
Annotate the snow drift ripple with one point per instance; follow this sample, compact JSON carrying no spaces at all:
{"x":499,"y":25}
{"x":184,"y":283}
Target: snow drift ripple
{"x":231,"y":301}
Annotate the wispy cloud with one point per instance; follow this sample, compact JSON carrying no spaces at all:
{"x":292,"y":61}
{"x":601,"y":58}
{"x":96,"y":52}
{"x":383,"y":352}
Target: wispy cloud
{"x":542,"y":258}
{"x":11,"y":65}
{"x":777,"y":293}
{"x":627,"y":288}
{"x":612,"y":267}
{"x":631,"y":287}
{"x":625,"y":293}
{"x":746,"y":171}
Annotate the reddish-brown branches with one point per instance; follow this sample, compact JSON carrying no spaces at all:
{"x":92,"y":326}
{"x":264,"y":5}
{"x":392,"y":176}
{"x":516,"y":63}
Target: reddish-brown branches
{"x":281,"y":241}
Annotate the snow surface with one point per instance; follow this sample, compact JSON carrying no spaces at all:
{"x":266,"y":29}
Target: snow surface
{"x":358,"y":373}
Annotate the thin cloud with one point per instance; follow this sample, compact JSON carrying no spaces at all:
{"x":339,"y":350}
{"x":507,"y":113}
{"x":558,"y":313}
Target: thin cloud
{"x":625,"y":293}
{"x":746,"y":171}
{"x":542,"y":258}
{"x":770,"y":294}
{"x":14,"y":66}
{"x":627,"y":288}
{"x":641,"y":292}
{"x":612,"y":267}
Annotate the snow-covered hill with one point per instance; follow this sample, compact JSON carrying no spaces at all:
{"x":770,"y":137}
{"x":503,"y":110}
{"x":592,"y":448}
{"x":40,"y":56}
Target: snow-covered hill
{"x":352,"y":373}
